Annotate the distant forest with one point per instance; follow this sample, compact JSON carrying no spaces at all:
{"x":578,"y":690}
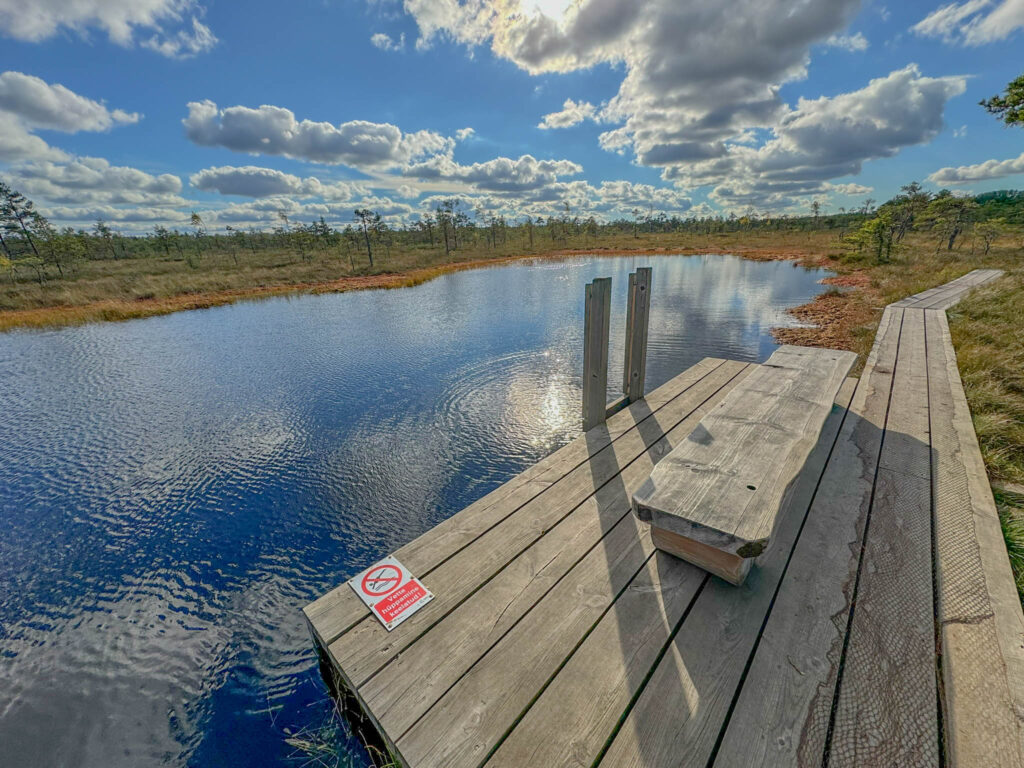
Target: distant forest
{"x":31,"y":248}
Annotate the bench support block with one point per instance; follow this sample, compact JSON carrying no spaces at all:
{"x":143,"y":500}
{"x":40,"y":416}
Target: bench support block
{"x":725,"y":565}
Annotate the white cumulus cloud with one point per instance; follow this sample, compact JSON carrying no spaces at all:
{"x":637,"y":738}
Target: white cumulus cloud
{"x":43,"y":105}
{"x":828,"y":138}
{"x":254,"y":181}
{"x":28,"y":104}
{"x":572,"y":113}
{"x":502,"y":174}
{"x":697,"y":74}
{"x":270,"y":130}
{"x":172,"y":26}
{"x":990,"y":169}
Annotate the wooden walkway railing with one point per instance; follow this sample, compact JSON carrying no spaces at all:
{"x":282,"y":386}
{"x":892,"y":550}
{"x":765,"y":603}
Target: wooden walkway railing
{"x":880,"y":628}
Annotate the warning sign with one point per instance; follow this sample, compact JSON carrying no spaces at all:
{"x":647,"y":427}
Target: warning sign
{"x":390,"y":592}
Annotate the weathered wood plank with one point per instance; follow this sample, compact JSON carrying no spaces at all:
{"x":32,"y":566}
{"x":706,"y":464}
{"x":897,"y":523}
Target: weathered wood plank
{"x":978,"y":611}
{"x":947,"y":295}
{"x":630,"y":288}
{"x":475,"y":715}
{"x":781,"y":715}
{"x":634,"y":370}
{"x":722,"y":487}
{"x":886,"y":711}
{"x":368,"y":646}
{"x":597,"y":314}
{"x":404,"y":689}
{"x":339,"y":610}
{"x":695,"y":679}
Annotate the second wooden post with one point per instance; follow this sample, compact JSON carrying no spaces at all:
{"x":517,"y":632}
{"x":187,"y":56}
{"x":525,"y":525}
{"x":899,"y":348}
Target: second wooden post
{"x":595,"y":351}
{"x":634,"y":368}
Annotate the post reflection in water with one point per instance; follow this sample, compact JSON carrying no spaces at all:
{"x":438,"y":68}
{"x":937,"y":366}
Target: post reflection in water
{"x":174,"y":490}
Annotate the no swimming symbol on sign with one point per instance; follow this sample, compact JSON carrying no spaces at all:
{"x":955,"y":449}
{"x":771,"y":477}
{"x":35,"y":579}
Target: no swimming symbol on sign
{"x":390,"y":592}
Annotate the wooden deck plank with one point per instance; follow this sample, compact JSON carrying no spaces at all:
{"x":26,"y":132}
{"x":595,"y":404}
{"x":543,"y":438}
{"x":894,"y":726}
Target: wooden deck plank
{"x":924,"y":296}
{"x":724,"y":484}
{"x":947,"y":295}
{"x":886,"y":711}
{"x":978,"y":610}
{"x":369,"y":646}
{"x":695,"y":680}
{"x":474,"y":716}
{"x":338,"y":610}
{"x":404,"y":689}
{"x":782,"y":713}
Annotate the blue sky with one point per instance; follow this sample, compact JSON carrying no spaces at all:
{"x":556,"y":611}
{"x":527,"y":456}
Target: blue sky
{"x":140,"y":111}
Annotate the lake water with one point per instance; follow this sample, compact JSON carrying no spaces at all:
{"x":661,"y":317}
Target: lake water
{"x":174,"y":490}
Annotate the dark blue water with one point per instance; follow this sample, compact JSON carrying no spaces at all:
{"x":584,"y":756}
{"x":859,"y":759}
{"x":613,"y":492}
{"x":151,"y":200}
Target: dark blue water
{"x":174,"y":490}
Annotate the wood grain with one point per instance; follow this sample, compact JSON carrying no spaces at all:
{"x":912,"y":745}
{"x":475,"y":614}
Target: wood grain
{"x":723,"y":486}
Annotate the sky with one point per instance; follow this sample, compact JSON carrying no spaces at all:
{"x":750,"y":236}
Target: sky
{"x":140,"y":112}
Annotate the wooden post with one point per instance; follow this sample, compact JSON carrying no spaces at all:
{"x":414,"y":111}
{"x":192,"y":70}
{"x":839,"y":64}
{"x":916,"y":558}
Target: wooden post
{"x":634,"y":369}
{"x":595,"y":351}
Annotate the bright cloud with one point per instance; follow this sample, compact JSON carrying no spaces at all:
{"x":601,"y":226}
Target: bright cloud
{"x":93,"y":179}
{"x":974,"y":22}
{"x":131,"y":216}
{"x":253,"y":181}
{"x":828,"y":138}
{"x":572,"y":113}
{"x":28,"y":104}
{"x":263,"y":212}
{"x":705,"y":107}
{"x":990,"y":169}
{"x":270,"y":130}
{"x":39,"y":104}
{"x":502,"y":174}
{"x":18,"y":143}
{"x":172,"y":26}
{"x":686,"y":91}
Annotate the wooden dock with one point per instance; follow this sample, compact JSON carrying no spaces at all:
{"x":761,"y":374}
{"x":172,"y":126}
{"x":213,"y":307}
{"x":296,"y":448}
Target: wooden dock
{"x":880,"y":628}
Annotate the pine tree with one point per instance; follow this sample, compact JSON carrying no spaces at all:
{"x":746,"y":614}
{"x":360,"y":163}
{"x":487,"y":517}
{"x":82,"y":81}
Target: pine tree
{"x":16,"y":214}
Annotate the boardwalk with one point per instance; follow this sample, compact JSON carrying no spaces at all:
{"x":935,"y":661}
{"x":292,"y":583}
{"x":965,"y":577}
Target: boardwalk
{"x":881,"y":627}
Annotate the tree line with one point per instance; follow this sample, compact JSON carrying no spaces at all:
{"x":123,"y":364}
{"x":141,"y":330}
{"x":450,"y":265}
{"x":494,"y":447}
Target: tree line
{"x":32,"y":248}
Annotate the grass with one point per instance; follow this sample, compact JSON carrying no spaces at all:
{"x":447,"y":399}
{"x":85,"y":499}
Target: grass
{"x":1011,"y":517}
{"x":319,"y":746}
{"x":987,"y":333}
{"x":326,"y":743}
{"x":989,"y":340}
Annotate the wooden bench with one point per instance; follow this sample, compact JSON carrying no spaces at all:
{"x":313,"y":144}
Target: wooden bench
{"x":714,"y":499}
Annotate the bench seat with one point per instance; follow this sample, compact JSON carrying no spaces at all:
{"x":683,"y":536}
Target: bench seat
{"x":714,"y":499}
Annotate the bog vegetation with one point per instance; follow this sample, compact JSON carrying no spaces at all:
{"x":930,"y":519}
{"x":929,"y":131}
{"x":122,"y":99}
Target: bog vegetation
{"x":74,"y":266}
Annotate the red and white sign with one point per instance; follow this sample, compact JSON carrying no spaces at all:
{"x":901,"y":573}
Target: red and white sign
{"x":390,"y":592}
